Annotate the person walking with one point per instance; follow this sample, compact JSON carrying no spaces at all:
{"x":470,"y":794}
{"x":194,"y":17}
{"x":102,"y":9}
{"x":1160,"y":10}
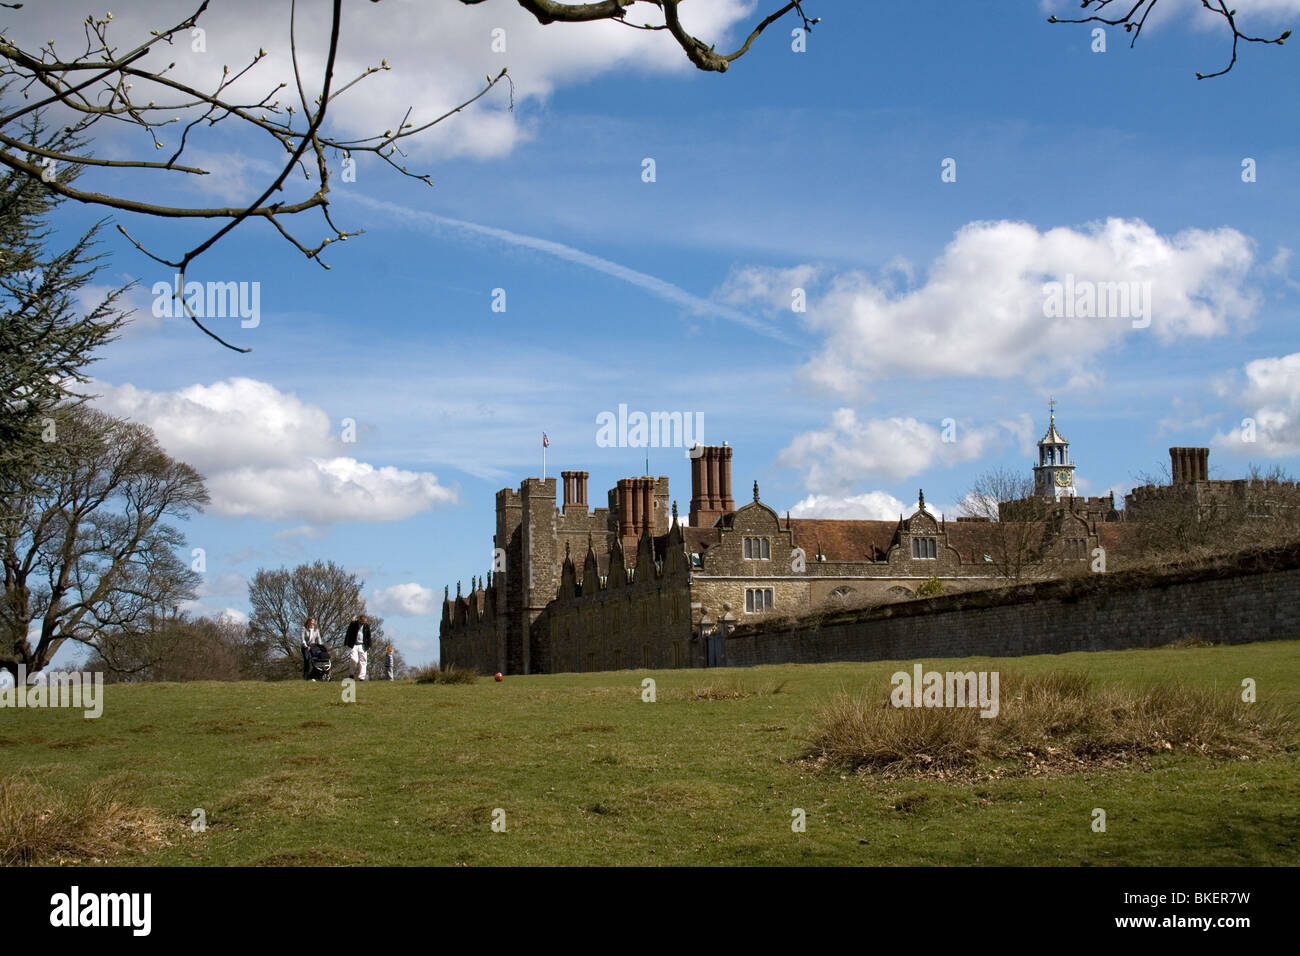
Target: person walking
{"x":310,"y":637}
{"x":358,"y":643}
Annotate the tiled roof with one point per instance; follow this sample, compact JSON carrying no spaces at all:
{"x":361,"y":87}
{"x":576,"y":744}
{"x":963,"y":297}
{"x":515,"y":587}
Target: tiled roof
{"x":1118,"y":536}
{"x":843,"y":539}
{"x":974,"y":539}
{"x":699,"y":540}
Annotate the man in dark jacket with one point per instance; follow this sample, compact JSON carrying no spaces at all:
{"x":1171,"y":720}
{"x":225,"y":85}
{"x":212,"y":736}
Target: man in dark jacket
{"x":358,"y":643}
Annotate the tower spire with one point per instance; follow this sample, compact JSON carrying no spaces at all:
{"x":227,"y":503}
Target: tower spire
{"x":1054,"y":473}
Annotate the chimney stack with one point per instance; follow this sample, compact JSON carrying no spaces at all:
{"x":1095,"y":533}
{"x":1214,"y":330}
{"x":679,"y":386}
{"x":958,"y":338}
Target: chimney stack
{"x":567,"y":478}
{"x":625,"y":507}
{"x":575,"y":491}
{"x":711,"y":485}
{"x":1189,"y":465}
{"x":636,"y":510}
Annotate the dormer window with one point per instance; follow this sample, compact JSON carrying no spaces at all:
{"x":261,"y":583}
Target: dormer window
{"x":758,"y":549}
{"x":924,"y":548}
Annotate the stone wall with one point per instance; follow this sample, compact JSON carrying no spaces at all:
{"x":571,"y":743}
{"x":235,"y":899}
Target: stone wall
{"x":1252,"y":597}
{"x":633,"y":619}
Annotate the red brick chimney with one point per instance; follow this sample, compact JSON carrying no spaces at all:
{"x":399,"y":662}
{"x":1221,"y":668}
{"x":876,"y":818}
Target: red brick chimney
{"x":575,"y":491}
{"x":711,"y":485}
{"x":636,"y":510}
{"x":567,"y":478}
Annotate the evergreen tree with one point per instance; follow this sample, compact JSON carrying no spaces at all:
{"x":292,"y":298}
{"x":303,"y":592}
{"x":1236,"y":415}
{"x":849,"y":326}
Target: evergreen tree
{"x":47,"y":335}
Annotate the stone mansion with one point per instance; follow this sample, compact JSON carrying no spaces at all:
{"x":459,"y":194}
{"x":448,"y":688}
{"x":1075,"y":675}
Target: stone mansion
{"x":632,"y":585}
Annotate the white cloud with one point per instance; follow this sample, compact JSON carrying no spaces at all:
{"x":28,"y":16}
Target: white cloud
{"x":877,"y":505}
{"x":223,"y":584}
{"x":299,"y":531}
{"x":239,"y":420}
{"x":1279,"y":266}
{"x":1272,"y":398}
{"x":214,"y":611}
{"x":324,"y":491}
{"x":409,"y":599}
{"x":440,"y":55}
{"x":266,"y":454}
{"x":849,"y":451}
{"x":980,"y":311}
{"x":870,"y":506}
{"x":773,"y":288}
{"x":233,"y":614}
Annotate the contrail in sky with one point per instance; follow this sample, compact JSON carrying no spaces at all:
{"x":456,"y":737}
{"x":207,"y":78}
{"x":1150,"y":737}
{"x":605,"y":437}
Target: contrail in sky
{"x":694,"y":304}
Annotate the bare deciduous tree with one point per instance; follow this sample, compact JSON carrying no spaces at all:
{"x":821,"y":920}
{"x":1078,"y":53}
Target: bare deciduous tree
{"x":282,"y":600}
{"x":88,"y":555}
{"x":1013,"y":542}
{"x":180,"y":648}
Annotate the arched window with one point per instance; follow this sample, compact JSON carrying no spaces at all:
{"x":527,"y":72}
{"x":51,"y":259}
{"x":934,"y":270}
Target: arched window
{"x":840,"y":595}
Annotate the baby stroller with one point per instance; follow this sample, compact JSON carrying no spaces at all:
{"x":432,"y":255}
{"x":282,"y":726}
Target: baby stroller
{"x":318,"y":662}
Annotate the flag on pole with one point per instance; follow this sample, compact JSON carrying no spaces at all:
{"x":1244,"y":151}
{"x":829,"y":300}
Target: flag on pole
{"x":546,"y":442}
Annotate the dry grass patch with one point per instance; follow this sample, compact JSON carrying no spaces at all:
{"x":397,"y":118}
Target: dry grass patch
{"x":290,"y":793}
{"x":1190,"y":640}
{"x":733,"y":688}
{"x":686,"y":795}
{"x":433,"y":674}
{"x":1049,"y":723}
{"x":39,"y":824}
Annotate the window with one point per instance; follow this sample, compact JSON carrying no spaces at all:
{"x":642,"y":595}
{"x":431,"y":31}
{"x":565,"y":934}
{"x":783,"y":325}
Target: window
{"x":1076,"y":548}
{"x":840,"y":595}
{"x":924,"y":548}
{"x":677,"y":653}
{"x":758,"y":549}
{"x":645,"y":656}
{"x":591,"y":661}
{"x":758,"y":600}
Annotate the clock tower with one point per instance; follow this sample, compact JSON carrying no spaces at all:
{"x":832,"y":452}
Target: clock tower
{"x":1054,"y":473}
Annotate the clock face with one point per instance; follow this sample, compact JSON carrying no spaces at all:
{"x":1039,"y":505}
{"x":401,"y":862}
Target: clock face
{"x":1062,"y":478}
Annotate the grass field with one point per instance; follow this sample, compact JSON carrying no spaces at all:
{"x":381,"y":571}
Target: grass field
{"x":587,"y":773}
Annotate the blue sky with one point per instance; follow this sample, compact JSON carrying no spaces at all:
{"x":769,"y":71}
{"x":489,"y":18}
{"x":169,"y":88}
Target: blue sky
{"x":817,"y":170}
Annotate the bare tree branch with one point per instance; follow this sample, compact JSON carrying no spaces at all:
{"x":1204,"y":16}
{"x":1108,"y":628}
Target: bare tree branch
{"x":1136,"y":17}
